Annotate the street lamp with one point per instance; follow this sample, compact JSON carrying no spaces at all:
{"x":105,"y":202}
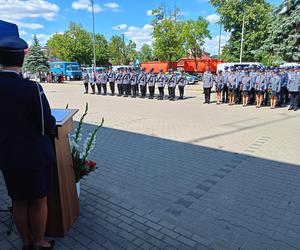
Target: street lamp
{"x":242,"y":39}
{"x":220,"y":40}
{"x":243,"y":4}
{"x":94,"y":41}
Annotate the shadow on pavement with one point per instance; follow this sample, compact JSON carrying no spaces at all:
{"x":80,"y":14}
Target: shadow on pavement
{"x":200,"y":197}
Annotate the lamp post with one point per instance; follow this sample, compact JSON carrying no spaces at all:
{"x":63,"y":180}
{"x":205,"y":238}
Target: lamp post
{"x":242,"y":39}
{"x":94,"y":42}
{"x":220,"y":39}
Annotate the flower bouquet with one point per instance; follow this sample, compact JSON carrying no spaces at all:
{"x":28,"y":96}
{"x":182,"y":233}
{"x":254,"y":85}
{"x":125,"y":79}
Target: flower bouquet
{"x":81,"y":165}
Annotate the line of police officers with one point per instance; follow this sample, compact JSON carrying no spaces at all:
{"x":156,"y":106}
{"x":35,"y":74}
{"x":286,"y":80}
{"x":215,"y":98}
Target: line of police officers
{"x":255,"y":84}
{"x":135,"y":83}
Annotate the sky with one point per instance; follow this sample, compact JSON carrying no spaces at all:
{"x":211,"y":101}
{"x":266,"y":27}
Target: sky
{"x":112,"y":17}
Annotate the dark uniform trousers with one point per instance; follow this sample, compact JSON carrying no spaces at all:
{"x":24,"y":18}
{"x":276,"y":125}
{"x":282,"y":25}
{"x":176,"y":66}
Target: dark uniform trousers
{"x":99,"y":88}
{"x":225,"y":94}
{"x":125,"y":89}
{"x":151,"y":91}
{"x":112,"y":88}
{"x":93,"y":87}
{"x":120,"y":89}
{"x":252,"y":96}
{"x":128,"y":89}
{"x":161,"y":92}
{"x":86,"y":87}
{"x":104,"y":88}
{"x":207,"y":93}
{"x":295,"y":99}
{"x":238,"y":95}
{"x":172,"y":93}
{"x":169,"y":92}
{"x":284,"y":95}
{"x":181,"y":91}
{"x":266,"y":97}
{"x":134,"y":90}
{"x":143,"y":90}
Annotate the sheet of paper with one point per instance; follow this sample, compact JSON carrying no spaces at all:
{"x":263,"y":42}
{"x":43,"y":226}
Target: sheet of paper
{"x":60,"y":114}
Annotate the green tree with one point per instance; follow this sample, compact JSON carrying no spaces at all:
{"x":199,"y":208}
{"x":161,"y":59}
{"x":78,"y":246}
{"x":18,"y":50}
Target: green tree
{"x":167,"y":45}
{"x":102,"y":52}
{"x":284,"y":39}
{"x":36,"y":61}
{"x":73,"y":45}
{"x":146,"y":53}
{"x":258,"y":16}
{"x":120,"y":53}
{"x":192,"y":35}
{"x":57,"y":47}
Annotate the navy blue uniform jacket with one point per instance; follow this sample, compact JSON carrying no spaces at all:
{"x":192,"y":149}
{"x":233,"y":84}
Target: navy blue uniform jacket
{"x":22,"y":145}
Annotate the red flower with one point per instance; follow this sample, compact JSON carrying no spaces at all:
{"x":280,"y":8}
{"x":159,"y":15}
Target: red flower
{"x":90,"y":164}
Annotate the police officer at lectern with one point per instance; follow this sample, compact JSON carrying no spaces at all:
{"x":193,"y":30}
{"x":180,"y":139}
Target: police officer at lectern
{"x":26,"y":156}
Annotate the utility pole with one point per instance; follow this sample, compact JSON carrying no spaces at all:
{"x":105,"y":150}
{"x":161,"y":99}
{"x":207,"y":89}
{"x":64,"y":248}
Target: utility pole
{"x":242,"y":39}
{"x":220,"y":39}
{"x":94,"y":41}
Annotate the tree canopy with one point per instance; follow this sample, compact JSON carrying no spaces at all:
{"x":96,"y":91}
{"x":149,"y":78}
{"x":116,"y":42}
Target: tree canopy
{"x":76,"y":44}
{"x":146,"y":53}
{"x":120,"y":52}
{"x":258,"y":17}
{"x":192,"y":35}
{"x":284,"y":39}
{"x":175,"y":38}
{"x":167,"y":44}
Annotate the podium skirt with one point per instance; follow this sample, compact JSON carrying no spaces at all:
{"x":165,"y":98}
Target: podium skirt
{"x":28,"y":185}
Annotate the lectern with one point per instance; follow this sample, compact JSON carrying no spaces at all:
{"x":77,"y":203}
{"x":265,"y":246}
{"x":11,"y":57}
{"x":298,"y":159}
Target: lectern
{"x":63,"y":204}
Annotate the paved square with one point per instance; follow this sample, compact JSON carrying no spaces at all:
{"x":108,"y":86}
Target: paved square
{"x":183,"y":175}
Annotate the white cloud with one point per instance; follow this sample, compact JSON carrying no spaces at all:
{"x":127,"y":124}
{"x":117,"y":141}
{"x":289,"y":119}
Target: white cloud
{"x":22,"y":32}
{"x":213,"y":18}
{"x":140,"y":35}
{"x":149,"y":13}
{"x":33,"y":26}
{"x":212,"y":46}
{"x":113,"y":6}
{"x":43,"y":38}
{"x":120,"y":27}
{"x":86,"y":5}
{"x":17,"y":9}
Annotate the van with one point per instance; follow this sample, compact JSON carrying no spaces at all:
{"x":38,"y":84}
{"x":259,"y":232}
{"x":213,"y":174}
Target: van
{"x":221,"y":66}
{"x":286,"y":65}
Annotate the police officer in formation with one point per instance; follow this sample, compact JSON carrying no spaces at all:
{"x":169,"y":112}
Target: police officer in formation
{"x":111,"y":75}
{"x":208,"y":80}
{"x":85,"y":77}
{"x":129,"y":81}
{"x":219,"y":85}
{"x":265,"y":85}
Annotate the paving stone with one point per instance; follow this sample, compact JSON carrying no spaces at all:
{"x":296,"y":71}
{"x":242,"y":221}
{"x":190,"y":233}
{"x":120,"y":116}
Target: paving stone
{"x":127,"y":236}
{"x":183,"y":232}
{"x":184,"y":202}
{"x":203,"y":187}
{"x":187,"y":241}
{"x":170,"y":233}
{"x":139,"y":218}
{"x":155,"y":234}
{"x":153,"y":225}
{"x":126,"y":227}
